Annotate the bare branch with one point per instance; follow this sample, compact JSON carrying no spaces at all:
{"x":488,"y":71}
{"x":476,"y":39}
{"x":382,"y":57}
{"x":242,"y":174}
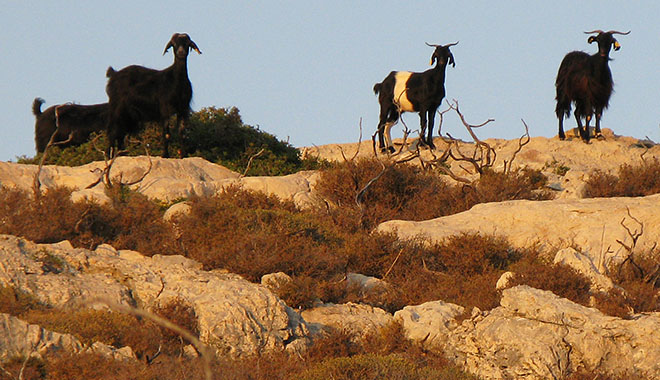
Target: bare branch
{"x":247,"y":167}
{"x":524,"y":140}
{"x":203,"y":349}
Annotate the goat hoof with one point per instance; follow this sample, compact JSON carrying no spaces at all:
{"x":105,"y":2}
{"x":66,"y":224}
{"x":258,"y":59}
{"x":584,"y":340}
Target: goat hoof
{"x":387,"y":150}
{"x":562,"y":137}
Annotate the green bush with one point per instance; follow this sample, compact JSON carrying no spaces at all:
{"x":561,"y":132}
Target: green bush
{"x":215,"y":134}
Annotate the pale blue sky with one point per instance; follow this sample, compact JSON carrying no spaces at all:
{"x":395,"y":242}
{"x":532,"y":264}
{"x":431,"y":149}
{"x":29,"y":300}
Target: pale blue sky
{"x":304,"y":70}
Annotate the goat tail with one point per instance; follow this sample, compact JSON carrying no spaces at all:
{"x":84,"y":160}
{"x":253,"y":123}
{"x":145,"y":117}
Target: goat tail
{"x":377,"y":88}
{"x":110,"y":72}
{"x":36,"y":106}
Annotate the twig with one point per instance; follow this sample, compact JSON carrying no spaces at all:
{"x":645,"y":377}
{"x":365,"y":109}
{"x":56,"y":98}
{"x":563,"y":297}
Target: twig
{"x":393,"y":262}
{"x":247,"y":167}
{"x":203,"y":349}
{"x":521,"y":144}
{"x":36,"y":185}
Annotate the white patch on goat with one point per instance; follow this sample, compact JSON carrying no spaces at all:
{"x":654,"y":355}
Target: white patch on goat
{"x":401,"y":91}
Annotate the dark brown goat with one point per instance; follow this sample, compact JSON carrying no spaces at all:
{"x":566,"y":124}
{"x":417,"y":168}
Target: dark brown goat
{"x":403,"y":91}
{"x":76,"y":123}
{"x":138,"y":95}
{"x":586,"y":80}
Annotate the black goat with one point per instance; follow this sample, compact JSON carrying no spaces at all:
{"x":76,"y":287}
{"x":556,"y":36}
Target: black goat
{"x":76,"y":123}
{"x":138,"y":94}
{"x":403,"y":91}
{"x":586,"y":80}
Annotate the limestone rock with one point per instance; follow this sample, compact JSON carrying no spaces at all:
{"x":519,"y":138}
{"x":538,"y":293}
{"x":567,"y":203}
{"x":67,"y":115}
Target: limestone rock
{"x":357,"y":319}
{"x":592,"y":225}
{"x":168,"y":180}
{"x":583,"y":264}
{"x":536,"y":335}
{"x":366,"y":284}
{"x":177,"y":209}
{"x":235,"y":316}
{"x":429,"y":324}
{"x":550,"y":155}
{"x":274,"y":281}
{"x":19,"y":338}
{"x":504,"y":280}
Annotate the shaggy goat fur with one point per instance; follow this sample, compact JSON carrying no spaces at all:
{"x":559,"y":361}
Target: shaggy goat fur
{"x":138,"y":95}
{"x":76,"y":123}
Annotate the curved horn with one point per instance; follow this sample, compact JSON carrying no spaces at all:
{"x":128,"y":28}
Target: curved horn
{"x":428,"y":44}
{"x":594,"y":31}
{"x":455,"y":43}
{"x":615,"y":32}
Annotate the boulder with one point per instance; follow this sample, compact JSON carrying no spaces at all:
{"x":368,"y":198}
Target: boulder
{"x":19,"y":338}
{"x":235,"y":316}
{"x":429,"y":324}
{"x":535,"y":334}
{"x":356,"y":319}
{"x":594,"y":226}
{"x":167,"y":180}
{"x":583,"y":265}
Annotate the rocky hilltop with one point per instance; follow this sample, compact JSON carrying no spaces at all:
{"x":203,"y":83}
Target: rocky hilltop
{"x":532,"y":334}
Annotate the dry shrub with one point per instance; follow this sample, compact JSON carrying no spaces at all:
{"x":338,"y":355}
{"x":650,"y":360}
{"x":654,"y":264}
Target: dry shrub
{"x":638,"y":280}
{"x":131,"y":222}
{"x":15,"y":302}
{"x":407,"y":192}
{"x":335,"y":354}
{"x":257,"y":237}
{"x":89,"y":326}
{"x":48,"y":218}
{"x":562,"y":280}
{"x":181,"y":314}
{"x":402,"y":192}
{"x":495,"y":186}
{"x":631,"y":181}
{"x":462,"y":269}
{"x":372,"y":366}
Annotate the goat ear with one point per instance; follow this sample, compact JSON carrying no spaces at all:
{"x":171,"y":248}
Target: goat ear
{"x":591,"y":39}
{"x":169,"y":45}
{"x":451,"y":60}
{"x":194,"y":47}
{"x":616,"y":44}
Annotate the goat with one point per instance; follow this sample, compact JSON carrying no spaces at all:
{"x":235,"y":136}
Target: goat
{"x":404,"y":91}
{"x":138,"y":94}
{"x":76,"y":122}
{"x":586,"y":80}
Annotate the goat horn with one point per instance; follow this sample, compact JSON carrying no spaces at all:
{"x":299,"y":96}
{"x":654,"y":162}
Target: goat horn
{"x":615,"y":32}
{"x":455,"y":43}
{"x":428,"y":44}
{"x":594,"y":31}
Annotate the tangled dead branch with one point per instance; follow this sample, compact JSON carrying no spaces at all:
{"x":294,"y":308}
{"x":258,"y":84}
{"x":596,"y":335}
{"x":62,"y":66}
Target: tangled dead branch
{"x":104,"y":174}
{"x":36,"y":185}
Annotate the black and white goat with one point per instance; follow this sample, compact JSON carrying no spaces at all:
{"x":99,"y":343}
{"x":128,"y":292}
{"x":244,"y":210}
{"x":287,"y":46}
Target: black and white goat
{"x":586,"y":80}
{"x":76,"y":122}
{"x":404,"y":91}
{"x":138,"y":95}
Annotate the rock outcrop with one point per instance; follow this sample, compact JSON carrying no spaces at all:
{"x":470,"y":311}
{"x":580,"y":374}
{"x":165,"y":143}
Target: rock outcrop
{"x":168,"y":179}
{"x":19,"y":338}
{"x":235,"y":316}
{"x":592,"y":225}
{"x":537,"y":335}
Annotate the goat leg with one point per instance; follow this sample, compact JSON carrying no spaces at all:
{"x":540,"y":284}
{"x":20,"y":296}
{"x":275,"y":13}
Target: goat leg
{"x":429,"y":138}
